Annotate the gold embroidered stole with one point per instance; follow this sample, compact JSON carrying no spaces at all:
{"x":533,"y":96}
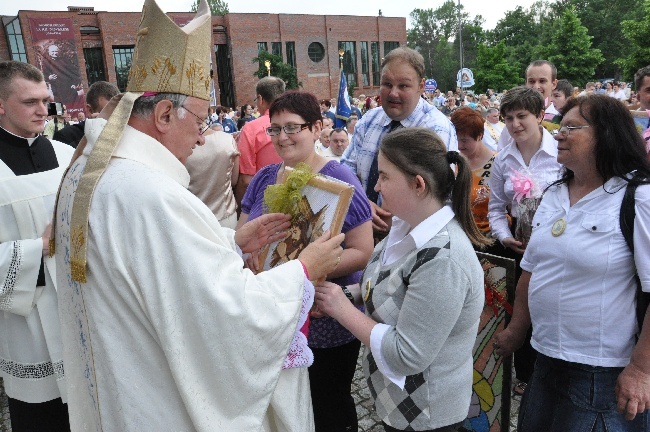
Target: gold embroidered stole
{"x":493,"y":132}
{"x":97,"y":162}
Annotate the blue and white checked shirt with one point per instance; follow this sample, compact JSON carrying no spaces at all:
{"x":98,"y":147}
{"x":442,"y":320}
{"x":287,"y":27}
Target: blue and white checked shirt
{"x":372,"y":127}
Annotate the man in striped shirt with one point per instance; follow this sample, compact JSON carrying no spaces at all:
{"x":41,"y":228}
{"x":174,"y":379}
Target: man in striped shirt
{"x":402,"y":85}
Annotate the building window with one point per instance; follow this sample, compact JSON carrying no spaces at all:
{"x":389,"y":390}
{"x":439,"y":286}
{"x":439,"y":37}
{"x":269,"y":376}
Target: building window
{"x":276,"y":48}
{"x":374,"y":53}
{"x":16,"y":43}
{"x":225,"y":77}
{"x":94,"y":65}
{"x":291,"y":53}
{"x":89,"y":30}
{"x":389,"y":46}
{"x":122,"y":56}
{"x":349,"y":61}
{"x":261,"y":47}
{"x":365,"y":74}
{"x":316,"y":52}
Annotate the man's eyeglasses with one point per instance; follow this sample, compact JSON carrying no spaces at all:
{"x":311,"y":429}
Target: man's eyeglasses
{"x":288,"y":129}
{"x":204,"y":126}
{"x":566,"y":130}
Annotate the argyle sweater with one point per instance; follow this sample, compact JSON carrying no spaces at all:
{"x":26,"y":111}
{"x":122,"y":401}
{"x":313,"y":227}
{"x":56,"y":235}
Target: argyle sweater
{"x":432,"y":297}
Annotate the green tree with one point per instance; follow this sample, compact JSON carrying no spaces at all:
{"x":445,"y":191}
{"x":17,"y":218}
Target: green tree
{"x":636,"y":33}
{"x":546,"y":18}
{"x":424,"y":36}
{"x":570,"y":49}
{"x":217,"y":7}
{"x":473,"y":36}
{"x":446,"y":66}
{"x":516,"y":27}
{"x":432,"y":33}
{"x":602,"y":19}
{"x":523,"y":31}
{"x":493,"y":70}
{"x":279,"y":69}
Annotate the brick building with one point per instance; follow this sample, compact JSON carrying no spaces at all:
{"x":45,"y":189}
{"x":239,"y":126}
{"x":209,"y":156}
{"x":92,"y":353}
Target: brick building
{"x":100,"y":45}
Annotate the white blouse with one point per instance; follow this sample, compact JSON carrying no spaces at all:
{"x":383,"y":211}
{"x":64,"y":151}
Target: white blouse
{"x":544,"y":168}
{"x":582,"y":290}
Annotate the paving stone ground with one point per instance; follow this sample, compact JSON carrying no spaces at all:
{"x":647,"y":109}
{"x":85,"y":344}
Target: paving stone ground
{"x":5,"y":423}
{"x":368,"y":420}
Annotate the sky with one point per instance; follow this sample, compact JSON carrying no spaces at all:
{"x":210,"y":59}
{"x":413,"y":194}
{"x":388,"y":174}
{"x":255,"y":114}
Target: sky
{"x":491,"y":11}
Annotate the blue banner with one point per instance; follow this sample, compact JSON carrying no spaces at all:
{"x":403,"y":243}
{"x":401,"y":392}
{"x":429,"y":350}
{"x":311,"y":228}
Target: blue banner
{"x":343,"y":103}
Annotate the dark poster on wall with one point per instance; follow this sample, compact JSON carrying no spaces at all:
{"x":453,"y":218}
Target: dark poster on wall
{"x":56,"y":53}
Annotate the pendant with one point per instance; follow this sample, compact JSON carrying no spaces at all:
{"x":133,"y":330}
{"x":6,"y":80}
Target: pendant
{"x":368,"y":289}
{"x":558,"y":227}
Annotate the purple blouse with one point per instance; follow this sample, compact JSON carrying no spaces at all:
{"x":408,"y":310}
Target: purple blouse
{"x":323,"y":332}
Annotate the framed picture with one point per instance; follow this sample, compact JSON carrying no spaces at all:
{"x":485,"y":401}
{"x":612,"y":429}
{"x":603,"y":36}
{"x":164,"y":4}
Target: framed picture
{"x":490,"y":407}
{"x":323,"y":206}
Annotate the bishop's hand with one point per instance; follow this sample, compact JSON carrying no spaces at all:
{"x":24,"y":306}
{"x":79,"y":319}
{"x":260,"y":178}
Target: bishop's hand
{"x":322,"y":255}
{"x":261,"y":231}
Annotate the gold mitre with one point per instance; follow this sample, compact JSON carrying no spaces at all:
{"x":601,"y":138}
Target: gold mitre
{"x":167,"y":59}
{"x":172,"y":59}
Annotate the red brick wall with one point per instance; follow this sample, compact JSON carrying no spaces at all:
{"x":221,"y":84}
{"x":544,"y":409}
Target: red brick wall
{"x":117,"y":29}
{"x":243,"y":31}
{"x":321,"y":78}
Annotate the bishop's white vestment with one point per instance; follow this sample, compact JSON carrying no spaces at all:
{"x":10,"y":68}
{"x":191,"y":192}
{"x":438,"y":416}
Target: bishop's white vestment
{"x":170,"y":332}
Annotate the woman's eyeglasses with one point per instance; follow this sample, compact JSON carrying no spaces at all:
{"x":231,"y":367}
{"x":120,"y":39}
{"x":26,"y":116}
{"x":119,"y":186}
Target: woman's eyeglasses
{"x":566,"y":130}
{"x":288,"y":129}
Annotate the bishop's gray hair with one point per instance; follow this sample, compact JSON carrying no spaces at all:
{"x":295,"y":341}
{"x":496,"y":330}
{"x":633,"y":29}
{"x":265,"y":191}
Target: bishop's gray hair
{"x":144,"y":105}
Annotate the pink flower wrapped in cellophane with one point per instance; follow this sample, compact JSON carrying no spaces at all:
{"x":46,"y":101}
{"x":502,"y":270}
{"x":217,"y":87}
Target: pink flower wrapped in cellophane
{"x":524,"y":185}
{"x":528,"y":197}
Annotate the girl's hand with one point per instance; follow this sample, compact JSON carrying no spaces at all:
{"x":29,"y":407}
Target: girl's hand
{"x":331,"y":300}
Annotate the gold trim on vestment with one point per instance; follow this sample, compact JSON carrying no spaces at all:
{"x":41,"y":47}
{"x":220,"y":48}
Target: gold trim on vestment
{"x":52,"y":241}
{"x":97,"y":162}
{"x":493,"y":132}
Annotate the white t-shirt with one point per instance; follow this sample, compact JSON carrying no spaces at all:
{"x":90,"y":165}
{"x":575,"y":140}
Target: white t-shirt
{"x":620,"y":95}
{"x":327,"y":153}
{"x":582,"y":291}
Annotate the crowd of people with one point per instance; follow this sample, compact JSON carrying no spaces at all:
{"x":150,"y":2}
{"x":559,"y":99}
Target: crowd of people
{"x":144,"y":303}
{"x":452,"y":100}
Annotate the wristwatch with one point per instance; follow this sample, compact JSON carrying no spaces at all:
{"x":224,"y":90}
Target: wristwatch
{"x":347,"y":293}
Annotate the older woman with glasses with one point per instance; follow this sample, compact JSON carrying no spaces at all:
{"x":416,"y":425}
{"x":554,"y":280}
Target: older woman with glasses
{"x":295,"y":127}
{"x":578,"y":286}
